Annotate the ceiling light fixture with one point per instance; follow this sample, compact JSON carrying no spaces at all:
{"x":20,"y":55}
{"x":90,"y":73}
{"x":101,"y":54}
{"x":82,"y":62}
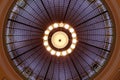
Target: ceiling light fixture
{"x":60,"y":39}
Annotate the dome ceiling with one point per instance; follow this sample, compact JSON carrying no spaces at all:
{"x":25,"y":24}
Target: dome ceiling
{"x":27,"y":23}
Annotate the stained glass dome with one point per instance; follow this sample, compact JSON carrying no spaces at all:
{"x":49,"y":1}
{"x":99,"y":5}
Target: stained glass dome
{"x":27,"y":22}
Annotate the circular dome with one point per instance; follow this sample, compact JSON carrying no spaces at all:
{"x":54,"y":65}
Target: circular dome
{"x":25,"y":37}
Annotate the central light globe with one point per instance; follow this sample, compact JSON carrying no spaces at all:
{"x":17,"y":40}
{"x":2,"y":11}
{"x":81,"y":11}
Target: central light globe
{"x":60,"y":39}
{"x":60,"y":43}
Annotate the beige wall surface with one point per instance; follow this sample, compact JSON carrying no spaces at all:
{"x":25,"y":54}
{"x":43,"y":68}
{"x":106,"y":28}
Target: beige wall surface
{"x":111,"y":71}
{"x":6,"y":71}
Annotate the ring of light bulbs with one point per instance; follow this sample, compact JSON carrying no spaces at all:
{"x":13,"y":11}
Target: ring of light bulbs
{"x":60,"y":53}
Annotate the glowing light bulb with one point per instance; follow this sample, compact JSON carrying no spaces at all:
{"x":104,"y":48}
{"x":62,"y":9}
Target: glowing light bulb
{"x":45,"y":37}
{"x":64,"y":53}
{"x":61,"y":24}
{"x":73,"y":46}
{"x":53,"y":52}
{"x":58,"y":54}
{"x":69,"y":50}
{"x":73,"y":35}
{"x":48,"y":48}
{"x":71,"y":30}
{"x":66,"y":26}
{"x":50,"y":28}
{"x":55,"y":25}
{"x":74,"y":41}
{"x":47,"y":32}
{"x":45,"y":43}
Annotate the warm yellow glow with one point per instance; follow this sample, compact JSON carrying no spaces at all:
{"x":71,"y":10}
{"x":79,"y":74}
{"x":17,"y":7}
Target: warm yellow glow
{"x":45,"y":37}
{"x":48,"y":48}
{"x":73,"y":35}
{"x":73,"y":46}
{"x":53,"y":52}
{"x":69,"y":50}
{"x":58,"y":54}
{"x":61,"y":24}
{"x":50,"y":28}
{"x":45,"y":43}
{"x":71,"y":30}
{"x":64,"y":53}
{"x":66,"y":26}
{"x":55,"y":25}
{"x":74,"y":41}
{"x":60,"y":39}
{"x":47,"y":32}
